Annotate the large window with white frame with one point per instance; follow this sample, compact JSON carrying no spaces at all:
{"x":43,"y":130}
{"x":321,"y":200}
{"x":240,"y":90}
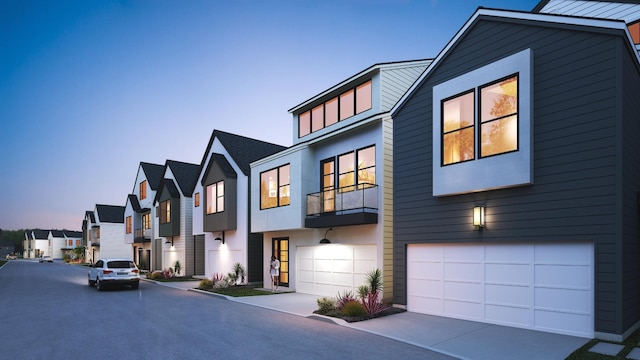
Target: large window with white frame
{"x":215,"y":197}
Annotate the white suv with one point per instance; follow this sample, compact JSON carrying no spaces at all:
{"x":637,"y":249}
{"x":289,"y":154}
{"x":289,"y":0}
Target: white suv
{"x":114,"y":272}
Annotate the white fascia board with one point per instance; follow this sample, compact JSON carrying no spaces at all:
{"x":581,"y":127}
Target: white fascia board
{"x":505,"y":14}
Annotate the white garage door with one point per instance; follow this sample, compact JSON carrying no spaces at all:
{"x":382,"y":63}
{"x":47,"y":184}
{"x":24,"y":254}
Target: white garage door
{"x":535,"y":286}
{"x":326,"y":270}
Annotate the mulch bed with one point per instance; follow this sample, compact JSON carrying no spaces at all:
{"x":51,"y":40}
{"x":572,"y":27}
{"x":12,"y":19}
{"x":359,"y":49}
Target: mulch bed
{"x":337,"y":314}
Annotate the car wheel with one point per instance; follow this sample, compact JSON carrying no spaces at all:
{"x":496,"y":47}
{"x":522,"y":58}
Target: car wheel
{"x":99,"y":286}
{"x":134,"y":286}
{"x":91,"y":283}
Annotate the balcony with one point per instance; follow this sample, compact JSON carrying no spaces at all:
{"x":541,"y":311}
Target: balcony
{"x":142,"y":236}
{"x":343,"y":207}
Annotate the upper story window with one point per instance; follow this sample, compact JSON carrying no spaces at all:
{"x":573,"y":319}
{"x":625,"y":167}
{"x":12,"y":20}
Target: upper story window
{"x":165,"y":212}
{"x":128,"y":225}
{"x":497,"y":130}
{"x":143,"y":189}
{"x":146,"y":221}
{"x":196,"y":200}
{"x":274,"y":187}
{"x":356,"y":169}
{"x":215,"y":197}
{"x":347,"y":104}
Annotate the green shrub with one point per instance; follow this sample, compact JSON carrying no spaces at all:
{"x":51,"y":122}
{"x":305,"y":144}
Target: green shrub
{"x":354,"y":309}
{"x":325,"y":305}
{"x":205,"y":284}
{"x":156,"y":275}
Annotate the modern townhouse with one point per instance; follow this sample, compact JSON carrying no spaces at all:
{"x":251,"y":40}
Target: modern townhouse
{"x":104,"y":228}
{"x":324,"y":205}
{"x":140,"y":232}
{"x":62,"y":242}
{"x":516,"y":176}
{"x":174,"y":205}
{"x":221,"y":207}
{"x":36,"y":244}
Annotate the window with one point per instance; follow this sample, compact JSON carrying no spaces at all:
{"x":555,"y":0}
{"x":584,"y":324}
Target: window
{"x":77,"y":242}
{"x":146,"y":221}
{"x":70,"y":242}
{"x":196,"y":200}
{"x":499,"y":117}
{"x":356,"y":170}
{"x":165,"y":212}
{"x":458,"y":129}
{"x":128,"y":224}
{"x":143,"y":189}
{"x":482,"y":126}
{"x":349,"y":103}
{"x":215,"y":197}
{"x":274,"y":187}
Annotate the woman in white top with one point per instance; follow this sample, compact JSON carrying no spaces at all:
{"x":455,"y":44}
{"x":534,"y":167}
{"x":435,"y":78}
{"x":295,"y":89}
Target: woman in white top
{"x":275,"y":272}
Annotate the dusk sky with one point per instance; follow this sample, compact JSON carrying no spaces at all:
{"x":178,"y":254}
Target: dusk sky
{"x":89,"y":89}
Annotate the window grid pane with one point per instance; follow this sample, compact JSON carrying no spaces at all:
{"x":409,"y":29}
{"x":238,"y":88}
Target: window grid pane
{"x":317,"y":118}
{"x":347,"y":104}
{"x":363,"y":97}
{"x":331,"y":112}
{"x":304,"y":124}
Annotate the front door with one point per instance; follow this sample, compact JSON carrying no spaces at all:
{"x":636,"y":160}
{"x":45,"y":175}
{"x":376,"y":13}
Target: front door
{"x":280,"y":248}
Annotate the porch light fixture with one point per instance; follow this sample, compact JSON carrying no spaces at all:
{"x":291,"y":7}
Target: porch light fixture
{"x":478,"y":217}
{"x":220,"y":238}
{"x":169,"y":242}
{"x":325,"y":240}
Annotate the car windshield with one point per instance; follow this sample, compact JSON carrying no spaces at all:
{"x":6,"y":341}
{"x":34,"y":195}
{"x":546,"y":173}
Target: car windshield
{"x":121,"y":264}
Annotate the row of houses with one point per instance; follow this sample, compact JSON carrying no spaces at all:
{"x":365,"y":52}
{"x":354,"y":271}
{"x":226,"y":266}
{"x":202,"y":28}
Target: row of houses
{"x":497,"y":182}
{"x":54,"y":243}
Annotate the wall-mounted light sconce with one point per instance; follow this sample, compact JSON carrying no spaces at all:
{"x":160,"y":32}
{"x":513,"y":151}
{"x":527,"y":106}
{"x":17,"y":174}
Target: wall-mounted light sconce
{"x":220,"y":238}
{"x":478,"y":217}
{"x":169,"y":242}
{"x":325,"y":240}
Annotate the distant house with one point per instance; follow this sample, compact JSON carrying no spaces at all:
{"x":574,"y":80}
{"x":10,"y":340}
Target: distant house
{"x":324,"y":205}
{"x":516,"y":173}
{"x":221,"y":215}
{"x":140,"y":230}
{"x":36,"y":244}
{"x":62,"y":242}
{"x":105,"y":233}
{"x":174,"y":204}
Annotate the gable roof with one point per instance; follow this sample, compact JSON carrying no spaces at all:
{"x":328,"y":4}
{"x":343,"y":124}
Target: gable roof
{"x":627,"y":10}
{"x":72,"y":234}
{"x":57,"y":233}
{"x":154,"y":173}
{"x":186,"y":175}
{"x":223,"y":164}
{"x":39,"y":234}
{"x":110,"y":213}
{"x":89,"y":214}
{"x":243,"y":150}
{"x":509,"y":15}
{"x":171,"y":188}
{"x":135,"y":204}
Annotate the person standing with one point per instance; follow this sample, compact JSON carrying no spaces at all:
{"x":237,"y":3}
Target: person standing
{"x":275,"y":272}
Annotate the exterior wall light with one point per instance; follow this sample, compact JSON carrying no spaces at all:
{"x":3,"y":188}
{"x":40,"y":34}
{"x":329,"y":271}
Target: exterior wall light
{"x":221,"y":239}
{"x":169,"y":242}
{"x":478,"y":217}
{"x":325,"y":240}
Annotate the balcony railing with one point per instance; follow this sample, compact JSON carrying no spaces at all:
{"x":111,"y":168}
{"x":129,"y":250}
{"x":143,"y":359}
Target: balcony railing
{"x":345,"y":200}
{"x":142,"y":233}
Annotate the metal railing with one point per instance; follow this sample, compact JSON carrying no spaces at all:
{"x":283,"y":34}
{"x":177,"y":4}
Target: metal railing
{"x":348,"y":199}
{"x":142,"y":233}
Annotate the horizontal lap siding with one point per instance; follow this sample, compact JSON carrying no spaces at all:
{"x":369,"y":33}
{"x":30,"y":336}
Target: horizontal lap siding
{"x":631,"y":186}
{"x":573,"y":196}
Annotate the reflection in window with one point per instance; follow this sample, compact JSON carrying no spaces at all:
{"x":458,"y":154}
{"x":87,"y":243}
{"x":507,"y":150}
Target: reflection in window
{"x":364,"y":160}
{"x":346,"y":104}
{"x":317,"y":118}
{"x":331,"y":112}
{"x":128,"y":225}
{"x":165,"y":212}
{"x":146,"y":221}
{"x":458,"y":129}
{"x":346,"y":178}
{"x":499,"y":117}
{"x":366,"y":167}
{"x":275,"y":187}
{"x":304,"y":124}
{"x":363,"y":97}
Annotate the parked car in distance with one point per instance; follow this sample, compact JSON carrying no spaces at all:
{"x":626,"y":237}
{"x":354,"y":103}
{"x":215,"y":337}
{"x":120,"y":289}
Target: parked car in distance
{"x":11,"y":257}
{"x":107,"y":272}
{"x":45,"y":258}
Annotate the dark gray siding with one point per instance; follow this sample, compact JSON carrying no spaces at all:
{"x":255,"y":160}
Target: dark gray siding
{"x":575,"y":166}
{"x":171,"y":228}
{"x":227,"y":219}
{"x":255,"y":252}
{"x":630,"y":134}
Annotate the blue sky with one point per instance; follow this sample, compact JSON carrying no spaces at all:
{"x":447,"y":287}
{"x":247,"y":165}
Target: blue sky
{"x":89,"y":89}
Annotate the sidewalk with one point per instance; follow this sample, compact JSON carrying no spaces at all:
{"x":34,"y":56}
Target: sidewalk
{"x":458,"y":338}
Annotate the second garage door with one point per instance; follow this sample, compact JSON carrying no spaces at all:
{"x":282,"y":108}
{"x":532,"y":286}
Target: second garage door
{"x":546,"y":287}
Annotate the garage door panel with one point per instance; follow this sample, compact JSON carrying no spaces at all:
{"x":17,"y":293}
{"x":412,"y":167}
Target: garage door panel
{"x":563,"y":275}
{"x":343,"y":279}
{"x":463,"y":272}
{"x":508,"y":295}
{"x":537,"y":286}
{"x":463,"y":309}
{"x":363,"y":266}
{"x":563,"y":299}
{"x":342,"y":265}
{"x":517,"y":274}
{"x":509,"y":315}
{"x":322,"y":265}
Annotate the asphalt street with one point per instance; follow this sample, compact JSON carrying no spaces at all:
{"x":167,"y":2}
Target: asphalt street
{"x":49,"y":312}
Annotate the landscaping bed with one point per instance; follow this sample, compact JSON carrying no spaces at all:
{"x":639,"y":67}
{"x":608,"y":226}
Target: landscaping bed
{"x":340,"y":315}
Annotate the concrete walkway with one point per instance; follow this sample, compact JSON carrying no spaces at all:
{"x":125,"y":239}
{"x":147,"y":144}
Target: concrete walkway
{"x":459,"y":338}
